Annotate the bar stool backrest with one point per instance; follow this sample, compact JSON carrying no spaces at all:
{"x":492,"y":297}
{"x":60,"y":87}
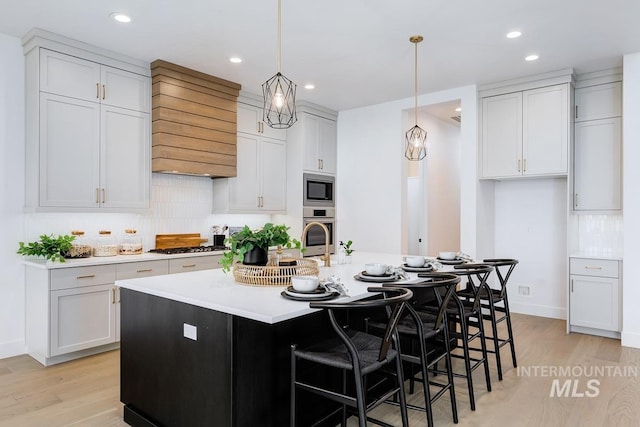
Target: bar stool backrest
{"x":394,"y":301}
{"x":509,"y":265}
{"x":481,"y":273}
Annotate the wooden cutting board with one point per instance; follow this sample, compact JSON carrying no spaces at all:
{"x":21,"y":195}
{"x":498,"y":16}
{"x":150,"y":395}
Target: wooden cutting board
{"x":187,"y":240}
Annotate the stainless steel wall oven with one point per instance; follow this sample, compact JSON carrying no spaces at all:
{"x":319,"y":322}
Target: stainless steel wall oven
{"x":315,"y":236}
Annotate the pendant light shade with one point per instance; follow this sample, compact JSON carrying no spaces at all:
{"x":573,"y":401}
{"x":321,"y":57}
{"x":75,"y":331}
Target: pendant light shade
{"x":279,"y":94}
{"x":416,"y":137}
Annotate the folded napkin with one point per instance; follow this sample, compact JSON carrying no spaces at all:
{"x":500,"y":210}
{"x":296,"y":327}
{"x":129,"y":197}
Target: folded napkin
{"x":334,"y":284}
{"x":397,"y":272}
{"x":464,"y":257}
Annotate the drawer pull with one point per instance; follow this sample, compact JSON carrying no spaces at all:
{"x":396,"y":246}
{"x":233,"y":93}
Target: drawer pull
{"x":146,"y":270}
{"x":88,"y":276}
{"x":188,"y":265}
{"x":589,"y":267}
{"x":113,"y":296}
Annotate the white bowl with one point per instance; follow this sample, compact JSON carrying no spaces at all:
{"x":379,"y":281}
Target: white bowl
{"x":375,"y":269}
{"x":414,"y":261}
{"x":304,"y":283}
{"x":447,"y":255}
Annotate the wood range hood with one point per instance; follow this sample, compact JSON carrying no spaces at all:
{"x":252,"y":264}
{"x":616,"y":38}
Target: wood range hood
{"x":194,"y":122}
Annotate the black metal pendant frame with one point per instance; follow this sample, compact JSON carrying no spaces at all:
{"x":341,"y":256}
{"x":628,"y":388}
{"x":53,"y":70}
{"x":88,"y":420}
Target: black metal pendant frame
{"x":416,"y":138}
{"x":279,"y":94}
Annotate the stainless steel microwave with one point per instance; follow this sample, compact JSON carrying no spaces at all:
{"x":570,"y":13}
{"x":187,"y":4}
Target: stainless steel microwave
{"x":319,"y":190}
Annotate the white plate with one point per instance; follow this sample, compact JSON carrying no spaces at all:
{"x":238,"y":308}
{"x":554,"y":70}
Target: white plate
{"x":307,"y":295}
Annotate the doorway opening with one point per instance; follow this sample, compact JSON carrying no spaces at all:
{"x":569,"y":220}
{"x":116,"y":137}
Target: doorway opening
{"x":433,"y":184}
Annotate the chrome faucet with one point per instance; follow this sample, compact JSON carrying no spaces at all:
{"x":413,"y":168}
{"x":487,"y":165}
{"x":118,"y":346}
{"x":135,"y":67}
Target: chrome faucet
{"x":326,"y":258}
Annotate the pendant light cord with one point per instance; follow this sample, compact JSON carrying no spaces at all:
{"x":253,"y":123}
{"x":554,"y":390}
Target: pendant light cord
{"x":279,"y":33}
{"x":415,"y":83}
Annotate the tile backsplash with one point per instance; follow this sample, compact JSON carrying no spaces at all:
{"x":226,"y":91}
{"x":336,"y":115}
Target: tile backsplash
{"x":179,"y":204}
{"x":600,"y":234}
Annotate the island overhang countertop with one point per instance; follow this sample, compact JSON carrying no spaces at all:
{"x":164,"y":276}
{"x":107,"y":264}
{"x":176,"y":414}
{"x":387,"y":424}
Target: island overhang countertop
{"x":216,"y":290}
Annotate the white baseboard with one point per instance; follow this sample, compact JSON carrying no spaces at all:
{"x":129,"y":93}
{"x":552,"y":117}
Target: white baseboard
{"x":13,"y":348}
{"x":538,"y":310}
{"x":630,"y":339}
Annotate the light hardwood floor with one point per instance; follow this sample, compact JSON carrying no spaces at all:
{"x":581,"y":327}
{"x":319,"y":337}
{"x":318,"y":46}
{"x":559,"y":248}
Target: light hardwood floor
{"x":86,"y":392}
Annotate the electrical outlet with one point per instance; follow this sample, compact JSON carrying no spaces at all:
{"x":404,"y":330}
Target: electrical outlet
{"x":190,"y":331}
{"x":524,"y":291}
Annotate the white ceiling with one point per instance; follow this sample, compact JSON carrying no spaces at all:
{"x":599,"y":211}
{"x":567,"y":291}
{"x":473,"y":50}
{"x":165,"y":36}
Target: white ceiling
{"x":356,"y":52}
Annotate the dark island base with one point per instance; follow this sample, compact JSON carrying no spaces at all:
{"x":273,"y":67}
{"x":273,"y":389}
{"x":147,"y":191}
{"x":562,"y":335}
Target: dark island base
{"x":236,"y":373}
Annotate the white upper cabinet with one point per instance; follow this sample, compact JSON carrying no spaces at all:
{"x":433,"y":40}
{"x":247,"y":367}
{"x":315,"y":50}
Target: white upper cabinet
{"x":598,"y":102}
{"x":261,"y":182}
{"x":526,"y":133}
{"x":78,"y":78}
{"x":598,"y":148}
{"x":320,"y":143}
{"x":250,"y":121}
{"x":91,"y":150}
{"x":598,"y":157}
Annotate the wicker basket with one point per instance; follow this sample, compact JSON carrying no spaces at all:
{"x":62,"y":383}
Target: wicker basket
{"x":273,"y":275}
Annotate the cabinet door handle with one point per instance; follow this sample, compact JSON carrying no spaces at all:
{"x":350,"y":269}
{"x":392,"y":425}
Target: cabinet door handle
{"x":321,"y":164}
{"x":97,"y":90}
{"x":104,"y":196}
{"x":571,"y":285}
{"x":188,"y":265}
{"x":576,"y":111}
{"x":575,"y":200}
{"x":518,"y":165}
{"x":113,"y":296}
{"x":145,"y":270}
{"x":118,"y":292}
{"x":97,"y":195}
{"x":592,"y":267}
{"x":88,"y":276}
{"x":104,"y":91}
{"x":319,"y":167}
{"x":524,"y":167}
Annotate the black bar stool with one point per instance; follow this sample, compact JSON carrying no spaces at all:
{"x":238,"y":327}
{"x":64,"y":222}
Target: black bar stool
{"x":466,"y":312}
{"x":431,"y":335}
{"x":357,"y":352}
{"x":489,"y":298}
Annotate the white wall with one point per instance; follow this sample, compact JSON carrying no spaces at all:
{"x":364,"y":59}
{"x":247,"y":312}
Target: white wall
{"x":531,"y":226}
{"x":11,"y":195}
{"x":631,"y":200}
{"x":371,"y":161}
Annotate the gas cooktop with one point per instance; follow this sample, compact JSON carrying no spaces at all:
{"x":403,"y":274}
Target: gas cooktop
{"x":186,"y":250}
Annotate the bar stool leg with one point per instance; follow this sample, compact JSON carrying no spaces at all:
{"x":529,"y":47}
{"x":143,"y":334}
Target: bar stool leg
{"x":495,"y":339}
{"x":483,"y":345}
{"x":510,"y":330}
{"x":467,"y":361}
{"x":449,"y":367}
{"x":403,"y":399}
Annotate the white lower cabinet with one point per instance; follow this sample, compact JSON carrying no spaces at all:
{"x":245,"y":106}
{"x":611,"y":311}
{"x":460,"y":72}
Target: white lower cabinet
{"x":82,"y":318}
{"x":75,"y":311}
{"x":594,"y":296}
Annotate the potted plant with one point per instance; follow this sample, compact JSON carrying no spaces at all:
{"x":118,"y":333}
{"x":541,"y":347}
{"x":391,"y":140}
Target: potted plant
{"x":348,"y":251}
{"x":52,"y":248}
{"x":251,"y":246}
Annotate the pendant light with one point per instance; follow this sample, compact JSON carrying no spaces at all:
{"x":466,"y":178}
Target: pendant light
{"x":279,"y":93}
{"x":416,"y":136}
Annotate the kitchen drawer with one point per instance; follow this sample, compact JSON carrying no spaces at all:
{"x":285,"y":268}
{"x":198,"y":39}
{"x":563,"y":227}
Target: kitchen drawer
{"x":132,"y":270}
{"x":183,"y":265}
{"x":77,"y":277}
{"x":594,"y":267}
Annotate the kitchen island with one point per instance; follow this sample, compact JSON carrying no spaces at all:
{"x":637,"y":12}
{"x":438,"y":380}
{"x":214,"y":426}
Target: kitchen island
{"x":200,"y":349}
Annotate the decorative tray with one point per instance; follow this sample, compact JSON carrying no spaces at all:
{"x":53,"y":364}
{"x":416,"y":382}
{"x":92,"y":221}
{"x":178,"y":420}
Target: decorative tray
{"x":274,"y":275}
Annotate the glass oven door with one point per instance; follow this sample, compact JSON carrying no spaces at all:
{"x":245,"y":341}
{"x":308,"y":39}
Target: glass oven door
{"x":315,"y":237}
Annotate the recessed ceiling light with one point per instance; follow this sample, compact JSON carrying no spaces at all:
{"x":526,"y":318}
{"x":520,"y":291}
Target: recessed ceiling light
{"x":531,"y":57}
{"x":235,"y":59}
{"x":309,"y":86}
{"x":121,"y":17}
{"x":514,"y":34}
{"x":459,"y":109}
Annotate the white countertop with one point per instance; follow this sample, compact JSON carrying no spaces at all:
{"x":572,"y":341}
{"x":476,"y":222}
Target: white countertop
{"x":218,"y":291}
{"x":118,"y":259}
